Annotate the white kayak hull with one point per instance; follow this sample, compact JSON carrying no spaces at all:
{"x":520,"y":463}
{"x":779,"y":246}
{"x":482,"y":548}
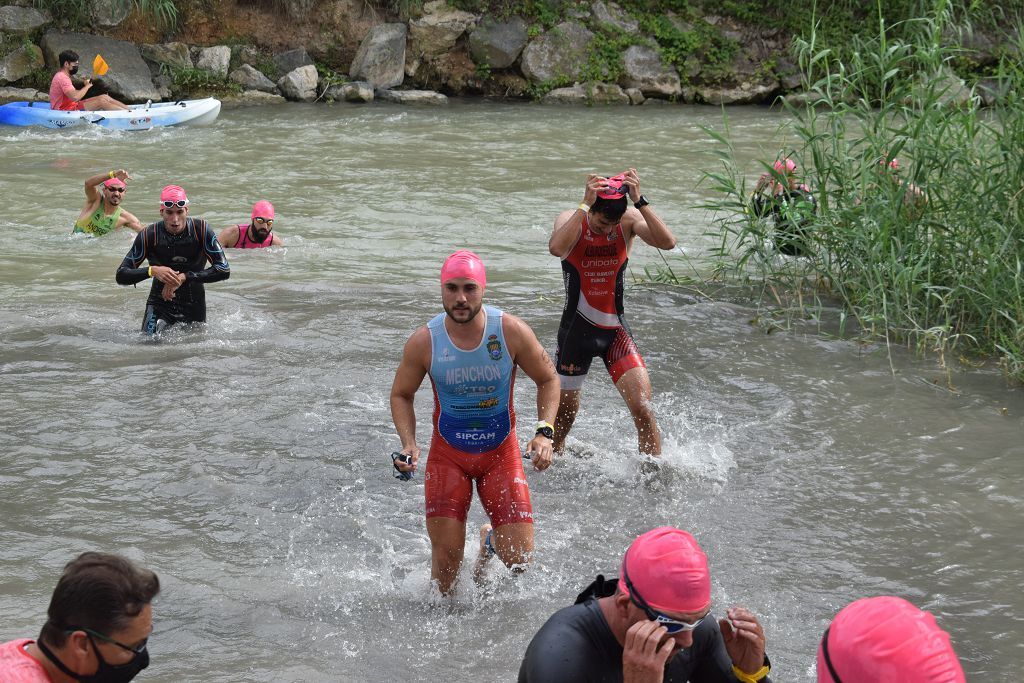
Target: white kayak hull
{"x":138,"y":117}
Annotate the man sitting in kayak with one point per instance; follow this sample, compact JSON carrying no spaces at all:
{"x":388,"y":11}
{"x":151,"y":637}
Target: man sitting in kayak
{"x":63,"y":95}
{"x":102,"y":212}
{"x":257,"y":234}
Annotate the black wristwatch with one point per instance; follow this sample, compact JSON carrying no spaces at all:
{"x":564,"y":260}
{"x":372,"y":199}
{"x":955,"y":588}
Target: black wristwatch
{"x":545,"y":429}
{"x":641,"y":202}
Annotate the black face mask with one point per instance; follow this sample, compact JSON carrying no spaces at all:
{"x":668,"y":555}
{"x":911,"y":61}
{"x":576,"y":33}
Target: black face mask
{"x":106,"y":673}
{"x":74,"y":70}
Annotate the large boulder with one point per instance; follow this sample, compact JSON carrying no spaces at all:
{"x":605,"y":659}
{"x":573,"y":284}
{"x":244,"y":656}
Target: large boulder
{"x":21,"y":20}
{"x":381,"y":56}
{"x":291,"y":60}
{"x":557,"y":54}
{"x":175,"y":55}
{"x":251,"y":78}
{"x":248,"y":98}
{"x":299,"y":84}
{"x":411,"y":97}
{"x":436,"y":31}
{"x":215,"y":59}
{"x":354,"y":91}
{"x":109,"y":13}
{"x":643,"y":69}
{"x":498,"y":43}
{"x":22,"y":95}
{"x":745,"y":93}
{"x":613,"y":16}
{"x":129,"y":78}
{"x":20,"y":62}
{"x":587,"y":94}
{"x":949,"y":88}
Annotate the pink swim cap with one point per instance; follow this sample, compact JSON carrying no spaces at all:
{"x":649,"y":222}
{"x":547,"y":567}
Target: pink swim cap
{"x":668,"y":570}
{"x":616,"y":188}
{"x":894,"y":165}
{"x":263,"y":209}
{"x":173,"y":193}
{"x":786,"y":166}
{"x":464,"y":263}
{"x":113,"y":182}
{"x":886,"y":639}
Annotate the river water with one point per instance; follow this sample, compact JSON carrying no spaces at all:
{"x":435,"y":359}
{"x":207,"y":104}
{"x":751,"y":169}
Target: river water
{"x":246,"y":462}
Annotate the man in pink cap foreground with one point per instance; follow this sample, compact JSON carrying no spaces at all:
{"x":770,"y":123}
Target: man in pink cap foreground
{"x":593,"y":241}
{"x":651,"y":624}
{"x":102,"y":211}
{"x":178,"y":249}
{"x":471,"y":353}
{"x":875,"y":640}
{"x":259,"y":233}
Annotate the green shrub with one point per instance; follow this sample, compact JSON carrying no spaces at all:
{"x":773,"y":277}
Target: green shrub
{"x":940,"y":267}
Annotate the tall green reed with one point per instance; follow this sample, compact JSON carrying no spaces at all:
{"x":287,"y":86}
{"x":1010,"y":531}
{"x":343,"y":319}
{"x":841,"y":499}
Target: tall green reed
{"x":932,"y":256}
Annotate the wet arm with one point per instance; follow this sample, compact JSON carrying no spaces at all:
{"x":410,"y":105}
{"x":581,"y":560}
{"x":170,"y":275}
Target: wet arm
{"x":535,"y":362}
{"x":568,"y":227}
{"x":649,"y":227}
{"x":129,"y":272}
{"x":411,"y":371}
{"x":131,"y":221}
{"x":218,"y":269}
{"x":228,"y":237}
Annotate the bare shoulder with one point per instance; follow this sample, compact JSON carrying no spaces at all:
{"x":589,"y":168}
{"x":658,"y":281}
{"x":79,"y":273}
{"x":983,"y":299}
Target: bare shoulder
{"x":516,"y":330}
{"x":228,"y":236}
{"x":418,"y":345}
{"x":564,"y":216}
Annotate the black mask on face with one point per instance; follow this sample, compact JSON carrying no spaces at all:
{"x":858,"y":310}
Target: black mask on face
{"x":106,"y":673}
{"x":74,"y":69}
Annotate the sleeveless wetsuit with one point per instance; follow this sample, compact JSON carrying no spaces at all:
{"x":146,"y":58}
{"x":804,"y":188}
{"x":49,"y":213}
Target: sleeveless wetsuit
{"x":98,"y":223}
{"x":245,"y":243}
{"x":576,"y":645}
{"x":474,"y":434}
{"x":186,"y":253}
{"x":592,"y":322}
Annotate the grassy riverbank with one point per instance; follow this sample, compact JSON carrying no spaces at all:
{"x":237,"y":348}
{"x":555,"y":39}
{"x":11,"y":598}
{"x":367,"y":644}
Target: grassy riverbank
{"x":941,"y":267}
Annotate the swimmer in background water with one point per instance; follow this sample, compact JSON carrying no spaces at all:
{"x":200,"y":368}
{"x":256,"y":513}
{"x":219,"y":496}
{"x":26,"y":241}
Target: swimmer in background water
{"x":257,"y":234}
{"x":102,"y":211}
{"x":790,"y":203}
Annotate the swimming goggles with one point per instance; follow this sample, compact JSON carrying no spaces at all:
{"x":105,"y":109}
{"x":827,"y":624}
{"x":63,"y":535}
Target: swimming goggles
{"x":181,"y":203}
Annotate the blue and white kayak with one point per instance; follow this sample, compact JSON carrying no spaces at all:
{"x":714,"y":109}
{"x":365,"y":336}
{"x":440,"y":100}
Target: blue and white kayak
{"x":138,"y":117}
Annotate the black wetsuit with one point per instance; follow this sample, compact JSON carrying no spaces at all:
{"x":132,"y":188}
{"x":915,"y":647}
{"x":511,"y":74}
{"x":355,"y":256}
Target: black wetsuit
{"x":791,"y":212}
{"x":187,"y":252}
{"x":576,"y":645}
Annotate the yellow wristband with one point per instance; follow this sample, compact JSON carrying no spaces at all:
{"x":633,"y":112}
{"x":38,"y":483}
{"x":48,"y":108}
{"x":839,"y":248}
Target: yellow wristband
{"x":151,"y":271}
{"x":584,"y":207}
{"x":111,"y":174}
{"x":751,"y":678}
